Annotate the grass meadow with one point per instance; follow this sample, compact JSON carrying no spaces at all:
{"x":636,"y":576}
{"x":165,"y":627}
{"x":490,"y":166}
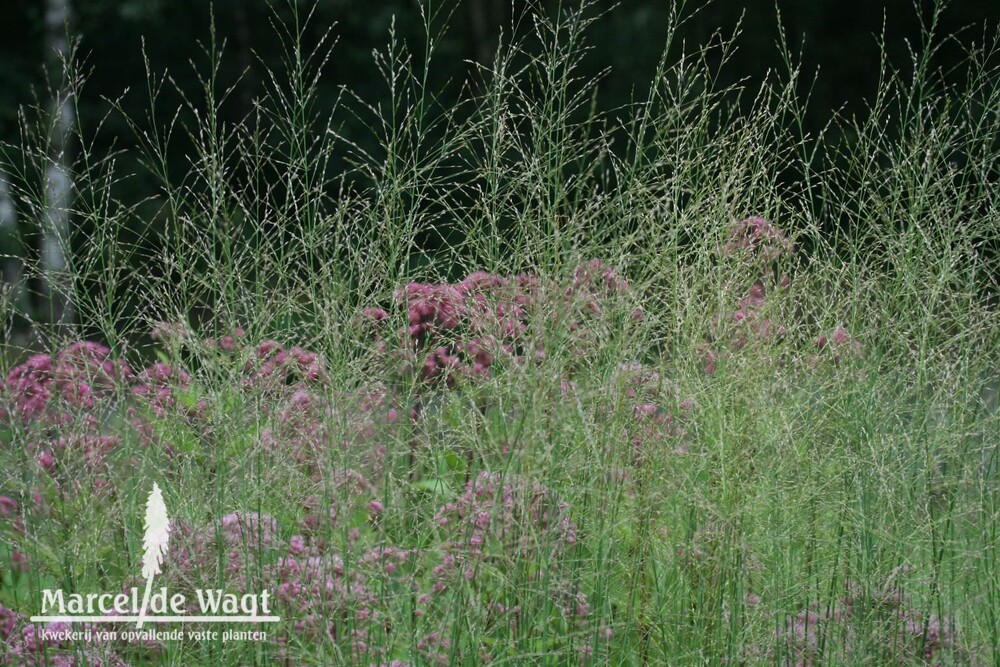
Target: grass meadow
{"x":525,"y":383}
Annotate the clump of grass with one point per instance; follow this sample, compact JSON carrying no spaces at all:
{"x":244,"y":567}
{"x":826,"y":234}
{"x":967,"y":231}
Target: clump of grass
{"x":649,"y":398}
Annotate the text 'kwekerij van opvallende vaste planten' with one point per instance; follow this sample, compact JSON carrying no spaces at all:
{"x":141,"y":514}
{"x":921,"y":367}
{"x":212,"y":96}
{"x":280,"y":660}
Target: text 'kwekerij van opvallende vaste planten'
{"x":513,"y":380}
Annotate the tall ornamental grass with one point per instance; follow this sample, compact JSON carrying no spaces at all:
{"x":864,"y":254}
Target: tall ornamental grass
{"x":525,"y":382}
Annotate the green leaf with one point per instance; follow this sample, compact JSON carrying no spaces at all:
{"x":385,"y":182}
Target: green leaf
{"x":433,"y":486}
{"x":188,"y":397}
{"x":455,"y":462}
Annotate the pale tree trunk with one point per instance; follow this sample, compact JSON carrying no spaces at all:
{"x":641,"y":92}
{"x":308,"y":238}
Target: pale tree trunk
{"x":58,"y":181}
{"x":14,"y":292}
{"x":13,"y":270}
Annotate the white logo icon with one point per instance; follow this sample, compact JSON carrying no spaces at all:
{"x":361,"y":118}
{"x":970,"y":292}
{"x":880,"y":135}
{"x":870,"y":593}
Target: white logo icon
{"x":154,"y":544}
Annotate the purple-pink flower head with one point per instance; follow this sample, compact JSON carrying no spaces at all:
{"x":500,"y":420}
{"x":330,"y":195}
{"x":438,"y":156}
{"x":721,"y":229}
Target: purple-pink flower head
{"x":758,"y":239}
{"x":374,"y":314}
{"x":481,"y":281}
{"x":8,"y":507}
{"x":46,"y":461}
{"x":241,"y":529}
{"x":841,"y":342}
{"x":645,"y":410}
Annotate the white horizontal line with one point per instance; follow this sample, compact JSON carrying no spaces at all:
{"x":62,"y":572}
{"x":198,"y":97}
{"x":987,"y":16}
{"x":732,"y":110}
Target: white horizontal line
{"x":154,"y":619}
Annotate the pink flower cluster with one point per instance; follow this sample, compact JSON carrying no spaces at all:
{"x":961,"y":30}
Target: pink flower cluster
{"x":52,"y":390}
{"x":658,"y":412}
{"x":157,"y":386}
{"x":904,"y":633}
{"x":750,"y":322}
{"x":840,"y":344}
{"x":340,"y":580}
{"x":462,"y":330}
{"x":505,"y":516}
{"x":500,"y":519}
{"x":58,"y":406}
{"x":757,"y":240}
{"x":759,"y":244}
{"x":273,"y":367}
{"x":33,"y":645}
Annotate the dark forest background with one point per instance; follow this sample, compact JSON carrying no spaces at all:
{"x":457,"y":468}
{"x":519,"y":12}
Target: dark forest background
{"x":839,"y":37}
{"x":838,"y":40}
